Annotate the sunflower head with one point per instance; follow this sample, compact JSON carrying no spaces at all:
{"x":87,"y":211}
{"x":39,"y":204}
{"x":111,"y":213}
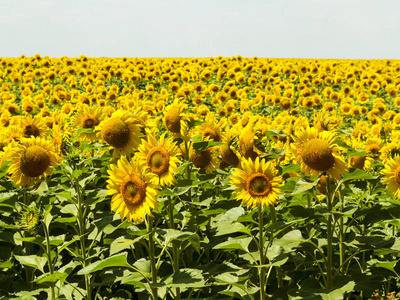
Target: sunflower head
{"x":30,"y":160}
{"x":134,"y":194}
{"x":317,"y":153}
{"x":29,"y":218}
{"x":121,"y":132}
{"x":257,"y":182}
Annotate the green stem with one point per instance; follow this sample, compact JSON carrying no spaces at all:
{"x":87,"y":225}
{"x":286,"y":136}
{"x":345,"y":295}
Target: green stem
{"x":329,"y":278}
{"x":49,"y":260}
{"x":341,"y":233}
{"x":82,"y":230}
{"x":261,"y":250}
{"x":152,"y":257}
{"x":29,"y":272}
{"x":175,"y":253}
{"x":278,"y":268}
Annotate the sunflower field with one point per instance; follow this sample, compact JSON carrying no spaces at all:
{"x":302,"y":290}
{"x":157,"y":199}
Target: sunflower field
{"x":199,"y":178}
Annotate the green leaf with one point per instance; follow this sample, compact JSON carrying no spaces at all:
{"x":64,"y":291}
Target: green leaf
{"x":121,"y":243}
{"x":239,"y":243}
{"x":200,"y":146}
{"x":113,"y":261}
{"x":232,"y":215}
{"x":357,"y":174}
{"x":187,"y":278}
{"x":303,"y":185}
{"x":33,"y":261}
{"x":290,"y":168}
{"x":290,"y":240}
{"x":56,"y":276}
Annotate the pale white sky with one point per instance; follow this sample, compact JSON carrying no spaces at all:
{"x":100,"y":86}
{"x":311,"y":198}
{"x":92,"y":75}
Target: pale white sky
{"x":204,"y":28}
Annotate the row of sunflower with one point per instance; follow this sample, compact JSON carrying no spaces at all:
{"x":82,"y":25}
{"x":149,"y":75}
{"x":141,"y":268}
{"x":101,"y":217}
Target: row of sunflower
{"x":311,"y":147}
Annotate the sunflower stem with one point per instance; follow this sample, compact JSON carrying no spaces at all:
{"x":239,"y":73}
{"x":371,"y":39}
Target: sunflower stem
{"x":278,"y":268}
{"x":261,"y":250}
{"x":342,"y":234}
{"x":175,"y":253}
{"x":82,"y":229}
{"x":28,"y":246}
{"x":49,"y":260}
{"x":152,"y":257}
{"x":329,"y":278}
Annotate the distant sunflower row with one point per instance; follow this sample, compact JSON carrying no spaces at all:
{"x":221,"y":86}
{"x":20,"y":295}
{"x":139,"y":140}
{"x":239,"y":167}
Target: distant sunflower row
{"x":214,"y":113}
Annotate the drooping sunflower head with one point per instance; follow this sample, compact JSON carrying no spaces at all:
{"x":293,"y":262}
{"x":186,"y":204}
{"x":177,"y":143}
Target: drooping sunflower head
{"x":134,"y":194}
{"x":120,"y":132}
{"x":30,"y":160}
{"x":159,"y":156}
{"x":257,"y":182}
{"x":316,"y":153}
{"x":176,"y":121}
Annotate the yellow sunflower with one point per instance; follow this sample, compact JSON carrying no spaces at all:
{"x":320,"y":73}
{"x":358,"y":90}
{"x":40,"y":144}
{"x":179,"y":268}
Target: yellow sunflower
{"x":206,"y":159}
{"x":88,"y":117}
{"x":30,"y":160}
{"x":160,"y":158}
{"x":316,"y":153}
{"x":257,"y":182}
{"x":120,"y":132}
{"x":32,"y":126}
{"x":133,"y":193}
{"x":391,"y":175}
{"x":175,"y":121}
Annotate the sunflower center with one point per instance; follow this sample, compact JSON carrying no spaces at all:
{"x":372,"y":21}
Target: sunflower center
{"x":397,"y":175}
{"x":89,"y":122}
{"x":34,"y":161}
{"x":158,"y":161}
{"x":357,"y":162}
{"x":173,"y":120}
{"x":31,"y":130}
{"x":317,"y":154}
{"x":133,"y":190}
{"x":258,"y":185}
{"x":116,"y":133}
{"x":202,"y":159}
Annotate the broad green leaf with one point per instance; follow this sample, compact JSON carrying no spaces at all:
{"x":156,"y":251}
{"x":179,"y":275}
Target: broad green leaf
{"x":200,"y":146}
{"x":304,"y":185}
{"x":187,"y":278}
{"x":235,"y":244}
{"x":56,"y":276}
{"x":121,"y":243}
{"x":113,"y":261}
{"x":357,"y":174}
{"x":339,"y":293}
{"x":235,"y":227}
{"x":290,"y":240}
{"x":33,"y":261}
{"x":232,"y":215}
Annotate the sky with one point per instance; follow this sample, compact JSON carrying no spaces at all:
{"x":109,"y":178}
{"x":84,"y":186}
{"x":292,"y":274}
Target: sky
{"x":355,"y":29}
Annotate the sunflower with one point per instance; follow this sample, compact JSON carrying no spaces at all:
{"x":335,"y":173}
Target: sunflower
{"x":175,"y":121}
{"x":120,"y":132}
{"x":133,"y":193}
{"x":160,"y":158}
{"x":391,"y":175}
{"x":30,"y":160}
{"x":87,"y":118}
{"x":316,"y":153}
{"x":257,"y":182}
{"x":32,"y":126}
{"x":205,"y":159}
